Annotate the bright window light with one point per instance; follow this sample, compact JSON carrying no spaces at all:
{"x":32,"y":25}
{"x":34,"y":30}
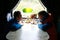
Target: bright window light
{"x":28,"y":7}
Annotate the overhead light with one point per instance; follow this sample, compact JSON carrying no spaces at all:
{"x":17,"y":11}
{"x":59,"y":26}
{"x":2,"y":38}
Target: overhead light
{"x":27,"y":10}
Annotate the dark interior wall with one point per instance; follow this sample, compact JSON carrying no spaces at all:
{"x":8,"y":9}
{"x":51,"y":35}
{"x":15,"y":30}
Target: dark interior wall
{"x":5,"y":7}
{"x":52,"y":6}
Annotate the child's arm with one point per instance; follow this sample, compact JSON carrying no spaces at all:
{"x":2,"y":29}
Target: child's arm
{"x":45,"y":26}
{"x":15,"y":27}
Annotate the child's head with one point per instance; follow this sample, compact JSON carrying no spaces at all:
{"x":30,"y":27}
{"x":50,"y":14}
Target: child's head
{"x":17,"y":15}
{"x":33,"y":16}
{"x":42,"y":15}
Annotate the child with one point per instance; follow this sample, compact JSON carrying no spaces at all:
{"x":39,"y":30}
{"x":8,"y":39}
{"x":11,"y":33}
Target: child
{"x":47,"y":24}
{"x":14,"y":23}
{"x":33,"y":18}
